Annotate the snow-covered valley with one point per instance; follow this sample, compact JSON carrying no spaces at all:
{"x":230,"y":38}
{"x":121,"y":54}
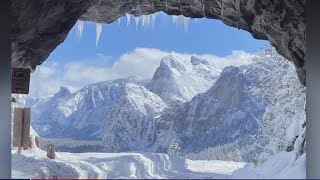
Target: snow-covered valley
{"x":237,"y":122}
{"x":33,"y":163}
{"x":117,"y":166}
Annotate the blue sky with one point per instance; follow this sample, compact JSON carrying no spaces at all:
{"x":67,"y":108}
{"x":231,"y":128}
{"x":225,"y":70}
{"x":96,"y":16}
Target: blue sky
{"x":204,"y":36}
{"x":125,"y":51}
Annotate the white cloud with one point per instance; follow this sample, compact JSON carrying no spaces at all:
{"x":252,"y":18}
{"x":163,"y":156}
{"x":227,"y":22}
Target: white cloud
{"x":141,"y":62}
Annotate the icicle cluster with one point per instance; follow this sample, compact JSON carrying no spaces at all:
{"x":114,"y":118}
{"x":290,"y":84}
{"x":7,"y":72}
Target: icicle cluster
{"x":147,"y":21}
{"x":181,"y":21}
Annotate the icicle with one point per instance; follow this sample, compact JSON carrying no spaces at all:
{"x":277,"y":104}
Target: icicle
{"x":119,"y":21}
{"x":185,"y":23}
{"x":175,"y":21}
{"x":153,"y":20}
{"x":136,"y":19}
{"x":128,"y":19}
{"x":181,"y":21}
{"x":143,"y":21}
{"x":80,"y":29}
{"x":98,"y":32}
{"x":147,"y":20}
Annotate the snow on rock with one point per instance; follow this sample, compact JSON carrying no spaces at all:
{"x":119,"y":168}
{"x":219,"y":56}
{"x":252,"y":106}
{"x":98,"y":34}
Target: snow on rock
{"x":212,"y":114}
{"x":102,"y":111}
{"x":131,"y":120}
{"x":216,"y":117}
{"x":116,"y":165}
{"x":177,"y":80}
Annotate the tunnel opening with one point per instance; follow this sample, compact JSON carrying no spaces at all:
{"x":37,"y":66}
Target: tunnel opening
{"x":241,"y":78}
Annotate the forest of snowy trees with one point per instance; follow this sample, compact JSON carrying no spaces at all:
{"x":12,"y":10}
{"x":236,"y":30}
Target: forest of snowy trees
{"x":71,"y":145}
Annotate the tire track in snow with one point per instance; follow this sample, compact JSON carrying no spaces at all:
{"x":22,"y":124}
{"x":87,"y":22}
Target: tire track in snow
{"x":114,"y":165}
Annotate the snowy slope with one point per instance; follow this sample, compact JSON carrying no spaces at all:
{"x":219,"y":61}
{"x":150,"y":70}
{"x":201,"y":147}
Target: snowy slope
{"x":219,"y":116}
{"x":117,"y":165}
{"x":208,"y":111}
{"x":177,"y":80}
{"x":235,"y":114}
{"x":90,"y":112}
{"x":131,"y":120}
{"x":120,"y":112}
{"x":283,"y":165}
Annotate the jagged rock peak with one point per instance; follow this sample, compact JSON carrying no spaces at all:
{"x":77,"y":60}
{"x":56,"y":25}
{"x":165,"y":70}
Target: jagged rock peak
{"x":171,"y":61}
{"x":63,"y":92}
{"x":197,"y":60}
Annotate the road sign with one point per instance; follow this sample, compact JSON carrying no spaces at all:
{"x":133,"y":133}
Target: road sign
{"x":20,"y":80}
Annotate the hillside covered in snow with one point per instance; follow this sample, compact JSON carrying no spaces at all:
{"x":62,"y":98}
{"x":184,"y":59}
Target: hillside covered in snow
{"x":252,"y":113}
{"x":208,"y":110}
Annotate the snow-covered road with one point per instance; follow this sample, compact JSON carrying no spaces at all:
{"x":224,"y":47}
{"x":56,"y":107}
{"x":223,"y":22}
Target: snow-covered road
{"x":34,"y":164}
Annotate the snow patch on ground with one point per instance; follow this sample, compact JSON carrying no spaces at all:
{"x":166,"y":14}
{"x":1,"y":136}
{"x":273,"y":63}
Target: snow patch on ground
{"x":280,"y":166}
{"x":33,"y":163}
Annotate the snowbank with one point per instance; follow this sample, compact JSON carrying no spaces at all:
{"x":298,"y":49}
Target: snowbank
{"x":280,"y":166}
{"x":33,"y":163}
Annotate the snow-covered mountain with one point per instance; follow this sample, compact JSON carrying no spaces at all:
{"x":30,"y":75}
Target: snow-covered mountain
{"x":226,"y":113}
{"x":92,"y":111}
{"x":206,"y":109}
{"x":177,"y":81}
{"x":121,"y":112}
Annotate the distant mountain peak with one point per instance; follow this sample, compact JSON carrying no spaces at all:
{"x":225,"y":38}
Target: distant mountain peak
{"x":197,"y":60}
{"x":177,"y":80}
{"x":63,"y":92}
{"x":171,"y":61}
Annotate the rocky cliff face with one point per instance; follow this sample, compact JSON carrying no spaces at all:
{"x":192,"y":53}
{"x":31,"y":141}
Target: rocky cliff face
{"x":177,"y":81}
{"x":227,"y":108}
{"x":39,"y":26}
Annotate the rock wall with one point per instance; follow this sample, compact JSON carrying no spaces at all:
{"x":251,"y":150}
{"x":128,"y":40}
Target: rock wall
{"x":39,"y":26}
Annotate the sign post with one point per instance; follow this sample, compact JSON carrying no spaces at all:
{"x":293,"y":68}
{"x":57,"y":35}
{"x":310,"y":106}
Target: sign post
{"x":51,"y":151}
{"x":21,"y":128}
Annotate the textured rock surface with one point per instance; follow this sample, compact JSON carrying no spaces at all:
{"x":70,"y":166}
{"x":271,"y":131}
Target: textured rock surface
{"x":177,"y":81}
{"x":39,"y":26}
